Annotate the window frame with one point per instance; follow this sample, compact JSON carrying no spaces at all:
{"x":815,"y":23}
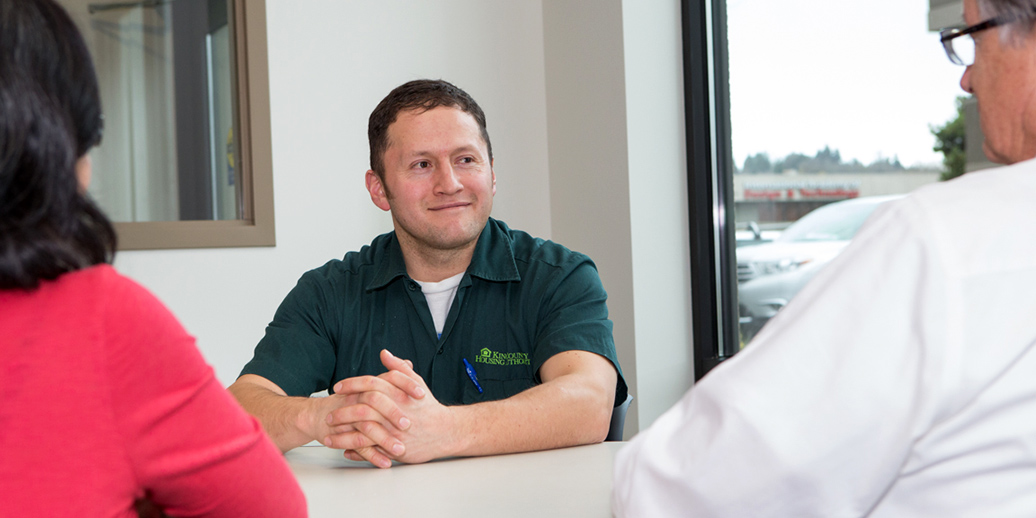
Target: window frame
{"x":710,"y":184}
{"x":252,"y":84}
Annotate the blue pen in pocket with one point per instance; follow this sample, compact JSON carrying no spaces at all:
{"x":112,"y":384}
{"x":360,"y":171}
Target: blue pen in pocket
{"x":471,"y":374}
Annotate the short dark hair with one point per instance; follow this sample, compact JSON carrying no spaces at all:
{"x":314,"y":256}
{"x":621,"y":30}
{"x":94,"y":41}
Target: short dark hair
{"x":50,"y":116}
{"x":420,"y":95}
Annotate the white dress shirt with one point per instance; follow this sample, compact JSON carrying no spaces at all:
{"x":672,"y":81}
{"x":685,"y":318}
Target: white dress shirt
{"x":900,"y":382}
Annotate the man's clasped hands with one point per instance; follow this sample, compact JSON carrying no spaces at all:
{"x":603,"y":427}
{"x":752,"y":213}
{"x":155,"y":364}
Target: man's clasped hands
{"x":392,"y":416}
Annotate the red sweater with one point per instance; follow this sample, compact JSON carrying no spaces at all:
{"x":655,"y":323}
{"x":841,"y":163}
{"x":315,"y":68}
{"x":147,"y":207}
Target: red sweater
{"x":105,"y":399}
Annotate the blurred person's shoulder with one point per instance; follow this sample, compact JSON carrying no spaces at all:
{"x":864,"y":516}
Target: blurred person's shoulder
{"x":108,"y":289}
{"x":981,"y":218}
{"x":97,"y":278}
{"x":1007,"y":185}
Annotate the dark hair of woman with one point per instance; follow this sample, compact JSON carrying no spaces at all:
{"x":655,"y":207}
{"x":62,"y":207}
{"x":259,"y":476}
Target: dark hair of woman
{"x":50,"y":116}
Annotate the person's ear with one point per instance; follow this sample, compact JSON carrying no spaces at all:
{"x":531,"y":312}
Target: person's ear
{"x":84,"y":171}
{"x":377,"y":190}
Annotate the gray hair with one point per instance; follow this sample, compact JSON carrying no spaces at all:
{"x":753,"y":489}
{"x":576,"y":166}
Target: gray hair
{"x":1023,"y":12}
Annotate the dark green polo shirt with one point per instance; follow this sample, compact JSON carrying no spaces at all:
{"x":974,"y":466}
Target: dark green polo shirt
{"x":522,"y":300}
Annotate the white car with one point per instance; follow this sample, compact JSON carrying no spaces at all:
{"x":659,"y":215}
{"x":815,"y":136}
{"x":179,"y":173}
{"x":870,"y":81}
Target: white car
{"x":770,"y":274}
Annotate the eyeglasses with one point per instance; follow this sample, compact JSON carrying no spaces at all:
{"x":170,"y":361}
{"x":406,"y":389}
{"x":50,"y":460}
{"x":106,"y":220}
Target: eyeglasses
{"x":962,"y":52}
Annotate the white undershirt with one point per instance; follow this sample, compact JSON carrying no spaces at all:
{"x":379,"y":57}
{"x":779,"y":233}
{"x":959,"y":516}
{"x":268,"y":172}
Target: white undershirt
{"x":439,"y":296}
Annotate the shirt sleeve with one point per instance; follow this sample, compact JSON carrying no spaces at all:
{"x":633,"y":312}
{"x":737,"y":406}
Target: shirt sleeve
{"x":192,"y":447}
{"x":574,"y":316}
{"x":817,"y":415}
{"x":297,"y":352}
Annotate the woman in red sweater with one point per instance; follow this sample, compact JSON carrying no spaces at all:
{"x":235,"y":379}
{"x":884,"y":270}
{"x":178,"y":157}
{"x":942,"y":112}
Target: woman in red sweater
{"x":105,"y":402}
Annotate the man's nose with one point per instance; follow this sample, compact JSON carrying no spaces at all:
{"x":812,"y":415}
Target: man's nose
{"x":965,"y":80}
{"x":448,"y":182}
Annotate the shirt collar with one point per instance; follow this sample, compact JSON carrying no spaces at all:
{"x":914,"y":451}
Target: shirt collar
{"x":493,"y":259}
{"x":388,"y":258}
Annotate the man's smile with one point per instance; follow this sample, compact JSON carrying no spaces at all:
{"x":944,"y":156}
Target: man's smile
{"x":452,"y":205}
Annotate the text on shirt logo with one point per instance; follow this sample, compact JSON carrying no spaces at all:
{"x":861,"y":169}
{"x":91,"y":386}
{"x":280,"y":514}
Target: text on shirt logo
{"x":498,"y":358}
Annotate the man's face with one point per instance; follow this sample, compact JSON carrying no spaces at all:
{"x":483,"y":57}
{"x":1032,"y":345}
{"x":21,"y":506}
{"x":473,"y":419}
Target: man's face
{"x":438,"y":182}
{"x":1003,"y":80}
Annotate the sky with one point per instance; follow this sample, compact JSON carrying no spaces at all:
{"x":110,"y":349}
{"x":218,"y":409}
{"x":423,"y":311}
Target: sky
{"x":864,"y":77}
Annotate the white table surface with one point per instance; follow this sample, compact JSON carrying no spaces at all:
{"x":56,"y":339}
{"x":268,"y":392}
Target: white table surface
{"x":569,"y":482}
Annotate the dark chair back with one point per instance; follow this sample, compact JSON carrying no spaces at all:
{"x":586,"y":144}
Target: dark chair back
{"x":619,"y":420}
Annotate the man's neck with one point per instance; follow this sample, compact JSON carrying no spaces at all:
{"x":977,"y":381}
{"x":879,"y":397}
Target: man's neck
{"x":428,"y":265}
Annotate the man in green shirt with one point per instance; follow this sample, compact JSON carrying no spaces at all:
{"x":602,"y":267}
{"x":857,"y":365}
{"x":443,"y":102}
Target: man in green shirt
{"x":451,"y":336}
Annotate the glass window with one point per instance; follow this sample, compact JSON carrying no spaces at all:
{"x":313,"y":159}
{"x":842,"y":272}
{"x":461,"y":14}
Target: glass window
{"x":820,"y":112}
{"x":177,"y":167}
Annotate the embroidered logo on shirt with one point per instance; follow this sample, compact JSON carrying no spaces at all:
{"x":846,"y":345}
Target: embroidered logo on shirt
{"x":497,"y":358}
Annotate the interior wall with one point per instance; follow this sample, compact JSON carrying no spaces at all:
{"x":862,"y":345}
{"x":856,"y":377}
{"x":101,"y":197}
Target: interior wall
{"x":331,"y":62}
{"x":618,"y":178}
{"x":586,"y":117}
{"x":658,"y":200}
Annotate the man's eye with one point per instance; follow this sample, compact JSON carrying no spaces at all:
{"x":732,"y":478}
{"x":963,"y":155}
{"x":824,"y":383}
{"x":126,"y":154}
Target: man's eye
{"x":467,"y":160}
{"x":423,"y":164}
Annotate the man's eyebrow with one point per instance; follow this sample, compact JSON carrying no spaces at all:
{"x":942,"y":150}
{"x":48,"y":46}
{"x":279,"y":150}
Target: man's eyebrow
{"x":467,"y":148}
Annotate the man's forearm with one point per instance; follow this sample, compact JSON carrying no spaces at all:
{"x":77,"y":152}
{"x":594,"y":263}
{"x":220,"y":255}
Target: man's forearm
{"x":572,"y":406}
{"x":284,"y":418}
{"x":564,"y":412}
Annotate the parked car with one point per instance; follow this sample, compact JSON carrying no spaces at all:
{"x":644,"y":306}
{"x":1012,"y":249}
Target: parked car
{"x":770,"y":274}
{"x":752,"y":235}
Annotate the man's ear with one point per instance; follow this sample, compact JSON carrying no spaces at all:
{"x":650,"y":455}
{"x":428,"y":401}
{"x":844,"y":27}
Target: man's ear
{"x":493,"y":172}
{"x":377,"y":190}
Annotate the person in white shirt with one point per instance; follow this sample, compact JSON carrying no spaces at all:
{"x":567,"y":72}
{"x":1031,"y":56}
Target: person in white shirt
{"x":902,"y":380}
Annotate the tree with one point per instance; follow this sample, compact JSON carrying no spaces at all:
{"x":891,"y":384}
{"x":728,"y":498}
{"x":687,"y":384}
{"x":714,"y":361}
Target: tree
{"x":758,"y":163}
{"x":792,"y":161}
{"x":827,"y":156}
{"x":885,"y":164}
{"x":949,"y":140}
{"x":826,"y":160}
